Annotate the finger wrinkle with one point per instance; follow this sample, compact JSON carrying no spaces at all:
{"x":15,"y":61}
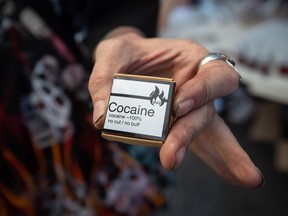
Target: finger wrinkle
{"x":96,"y":83}
{"x":206,"y":91}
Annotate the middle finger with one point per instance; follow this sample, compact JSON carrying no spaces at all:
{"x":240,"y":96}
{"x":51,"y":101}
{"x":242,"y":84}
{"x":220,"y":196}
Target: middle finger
{"x":183,"y":132}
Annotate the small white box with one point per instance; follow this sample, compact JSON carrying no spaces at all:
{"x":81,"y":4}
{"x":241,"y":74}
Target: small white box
{"x":139,"y":110}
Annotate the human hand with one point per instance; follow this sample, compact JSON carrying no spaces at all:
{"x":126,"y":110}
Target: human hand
{"x":198,"y":127}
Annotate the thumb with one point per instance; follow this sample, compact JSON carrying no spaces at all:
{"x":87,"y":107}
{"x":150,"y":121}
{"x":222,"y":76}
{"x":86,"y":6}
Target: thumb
{"x":99,"y":87}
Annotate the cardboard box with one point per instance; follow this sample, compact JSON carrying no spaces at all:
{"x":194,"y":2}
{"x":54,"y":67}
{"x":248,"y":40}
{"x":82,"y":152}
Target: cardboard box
{"x":139,"y":110}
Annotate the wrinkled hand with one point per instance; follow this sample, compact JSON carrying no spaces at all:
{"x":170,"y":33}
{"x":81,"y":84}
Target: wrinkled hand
{"x":198,"y":126}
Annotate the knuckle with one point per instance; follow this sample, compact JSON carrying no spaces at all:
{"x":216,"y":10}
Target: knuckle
{"x":95,"y":83}
{"x":187,"y":43}
{"x":187,"y":133}
{"x":190,"y":133}
{"x":180,"y":137}
{"x":92,"y":82}
{"x":206,"y":91}
{"x":211,"y":110}
{"x":110,"y":47}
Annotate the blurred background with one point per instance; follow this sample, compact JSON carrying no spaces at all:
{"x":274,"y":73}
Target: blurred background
{"x":52,"y":161}
{"x":255,"y":34}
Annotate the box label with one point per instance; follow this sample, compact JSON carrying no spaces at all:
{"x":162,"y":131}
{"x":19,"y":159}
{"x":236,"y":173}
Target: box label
{"x":138,"y":107}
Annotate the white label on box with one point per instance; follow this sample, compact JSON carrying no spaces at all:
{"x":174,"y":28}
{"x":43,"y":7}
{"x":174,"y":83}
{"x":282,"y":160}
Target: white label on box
{"x":137,"y":107}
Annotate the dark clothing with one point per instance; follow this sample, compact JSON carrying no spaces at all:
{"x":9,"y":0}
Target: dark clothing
{"x":95,"y":18}
{"x":52,"y":160}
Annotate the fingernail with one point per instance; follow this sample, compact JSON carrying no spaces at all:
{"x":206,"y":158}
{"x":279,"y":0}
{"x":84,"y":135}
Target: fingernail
{"x":262,"y":183}
{"x":99,"y":112}
{"x":180,"y":156}
{"x":184,"y":107}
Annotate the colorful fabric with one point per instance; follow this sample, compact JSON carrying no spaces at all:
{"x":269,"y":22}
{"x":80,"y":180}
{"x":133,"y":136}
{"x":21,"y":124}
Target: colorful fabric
{"x":52,"y":160}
